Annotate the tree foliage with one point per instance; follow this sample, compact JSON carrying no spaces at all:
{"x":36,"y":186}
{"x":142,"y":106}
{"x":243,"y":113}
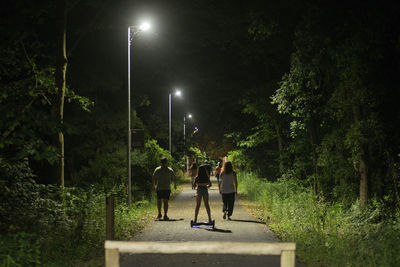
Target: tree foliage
{"x":332,"y":116}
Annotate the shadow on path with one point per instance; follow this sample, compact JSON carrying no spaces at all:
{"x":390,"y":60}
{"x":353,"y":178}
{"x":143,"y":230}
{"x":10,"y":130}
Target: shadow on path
{"x":219,"y":230}
{"x":206,"y":228}
{"x":250,"y":221}
{"x":169,"y":220}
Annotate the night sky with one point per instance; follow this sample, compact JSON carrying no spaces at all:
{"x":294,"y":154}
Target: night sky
{"x":194,"y":46}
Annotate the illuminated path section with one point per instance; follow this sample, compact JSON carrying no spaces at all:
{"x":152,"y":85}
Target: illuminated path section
{"x":242,"y":228}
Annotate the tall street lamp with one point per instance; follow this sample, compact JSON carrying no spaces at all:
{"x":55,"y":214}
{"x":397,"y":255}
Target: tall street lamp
{"x":176,"y":93}
{"x":132,"y":32}
{"x":184,"y":143}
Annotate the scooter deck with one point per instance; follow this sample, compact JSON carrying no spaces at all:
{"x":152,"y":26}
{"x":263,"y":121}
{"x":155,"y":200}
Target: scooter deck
{"x":197,"y":224}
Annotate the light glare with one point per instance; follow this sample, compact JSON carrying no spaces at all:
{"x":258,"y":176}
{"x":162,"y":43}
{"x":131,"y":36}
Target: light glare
{"x":144,"y":26}
{"x":178,"y":93}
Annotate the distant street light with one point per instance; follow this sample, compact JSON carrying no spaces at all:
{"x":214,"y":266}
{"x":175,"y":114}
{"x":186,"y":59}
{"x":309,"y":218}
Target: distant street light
{"x":184,"y":143}
{"x":132,"y":32}
{"x":176,"y":93}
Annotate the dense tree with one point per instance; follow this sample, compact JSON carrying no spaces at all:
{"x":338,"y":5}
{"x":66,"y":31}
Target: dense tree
{"x":335,"y":96}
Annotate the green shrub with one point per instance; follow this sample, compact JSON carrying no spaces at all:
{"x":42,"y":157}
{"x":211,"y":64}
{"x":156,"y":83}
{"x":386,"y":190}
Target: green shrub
{"x":238,"y":159}
{"x":197,"y":154}
{"x":68,"y":225}
{"x":21,"y":249}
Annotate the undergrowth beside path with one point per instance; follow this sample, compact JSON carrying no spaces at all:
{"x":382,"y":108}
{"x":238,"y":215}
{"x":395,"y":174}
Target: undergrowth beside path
{"x":326,"y":234}
{"x":69,"y":231}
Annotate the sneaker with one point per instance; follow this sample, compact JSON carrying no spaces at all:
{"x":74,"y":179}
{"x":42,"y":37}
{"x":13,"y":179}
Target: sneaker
{"x":166,"y":218}
{"x":229,"y":218}
{"x":224,"y":217}
{"x":159,"y":216}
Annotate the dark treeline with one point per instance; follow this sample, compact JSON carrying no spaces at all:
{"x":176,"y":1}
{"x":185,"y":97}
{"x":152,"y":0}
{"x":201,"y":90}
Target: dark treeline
{"x":63,"y":142}
{"x":329,"y":116}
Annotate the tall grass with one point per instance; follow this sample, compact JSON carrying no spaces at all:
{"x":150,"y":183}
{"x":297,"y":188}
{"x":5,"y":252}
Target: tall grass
{"x":327,"y":234}
{"x":79,"y":238}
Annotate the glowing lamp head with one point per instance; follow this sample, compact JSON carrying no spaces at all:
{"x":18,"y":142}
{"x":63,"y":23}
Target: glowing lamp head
{"x":178,"y":93}
{"x":144,"y":26}
{"x":189,"y":116}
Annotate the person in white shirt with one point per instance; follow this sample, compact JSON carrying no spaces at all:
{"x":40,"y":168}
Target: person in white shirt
{"x":228,"y":186}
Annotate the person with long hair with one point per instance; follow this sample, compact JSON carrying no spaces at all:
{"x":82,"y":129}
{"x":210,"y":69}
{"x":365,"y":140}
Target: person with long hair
{"x":202,"y":182}
{"x":193,"y":172}
{"x":228,"y":186}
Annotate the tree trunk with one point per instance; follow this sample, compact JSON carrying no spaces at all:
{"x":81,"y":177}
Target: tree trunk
{"x":60,"y":73}
{"x":395,"y":177}
{"x":362,"y":167}
{"x":110,"y":217}
{"x":363,"y":180}
{"x":314,"y":143}
{"x":280,"y":147}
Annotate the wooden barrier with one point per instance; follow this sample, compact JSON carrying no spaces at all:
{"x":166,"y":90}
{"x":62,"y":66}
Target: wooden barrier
{"x":285,"y":250}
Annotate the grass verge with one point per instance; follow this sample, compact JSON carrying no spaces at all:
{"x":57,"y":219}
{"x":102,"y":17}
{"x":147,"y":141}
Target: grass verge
{"x":326,"y":234}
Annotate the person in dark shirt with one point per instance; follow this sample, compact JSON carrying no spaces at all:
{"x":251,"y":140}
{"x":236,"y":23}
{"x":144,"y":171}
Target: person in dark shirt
{"x":208,"y":167}
{"x":202,"y":182}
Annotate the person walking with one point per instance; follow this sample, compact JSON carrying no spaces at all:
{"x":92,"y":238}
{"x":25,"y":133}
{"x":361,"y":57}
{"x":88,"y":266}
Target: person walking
{"x":218,"y":171}
{"x":228,"y":186}
{"x":208,"y":167}
{"x":193,"y":172}
{"x":162,"y":178}
{"x":202,"y":183}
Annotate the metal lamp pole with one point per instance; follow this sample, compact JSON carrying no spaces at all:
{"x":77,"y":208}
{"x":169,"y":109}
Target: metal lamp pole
{"x":169,"y":123}
{"x":132,"y":31}
{"x":184,"y":144}
{"x":129,"y":117}
{"x":176,"y":93}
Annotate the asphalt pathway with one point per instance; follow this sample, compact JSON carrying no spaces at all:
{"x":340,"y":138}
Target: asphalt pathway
{"x":242,"y":228}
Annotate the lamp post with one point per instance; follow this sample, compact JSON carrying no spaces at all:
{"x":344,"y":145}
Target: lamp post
{"x":184,"y":143}
{"x":132,"y":32}
{"x":176,"y":93}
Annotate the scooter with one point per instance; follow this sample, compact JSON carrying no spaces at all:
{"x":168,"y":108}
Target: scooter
{"x":197,"y":224}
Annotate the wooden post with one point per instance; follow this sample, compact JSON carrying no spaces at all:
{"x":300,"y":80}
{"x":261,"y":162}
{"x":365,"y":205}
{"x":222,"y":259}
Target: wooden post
{"x":110,"y":218}
{"x":288,"y":258}
{"x":112,"y":257}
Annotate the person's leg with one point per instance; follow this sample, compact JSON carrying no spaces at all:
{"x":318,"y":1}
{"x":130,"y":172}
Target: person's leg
{"x":159,"y":208}
{"x":165,"y":209}
{"x":231,"y":203}
{"x":225,"y":205}
{"x":198,"y":203}
{"x":205,"y":198}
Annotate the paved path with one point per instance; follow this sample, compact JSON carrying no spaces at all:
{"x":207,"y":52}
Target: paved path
{"x":242,"y":228}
